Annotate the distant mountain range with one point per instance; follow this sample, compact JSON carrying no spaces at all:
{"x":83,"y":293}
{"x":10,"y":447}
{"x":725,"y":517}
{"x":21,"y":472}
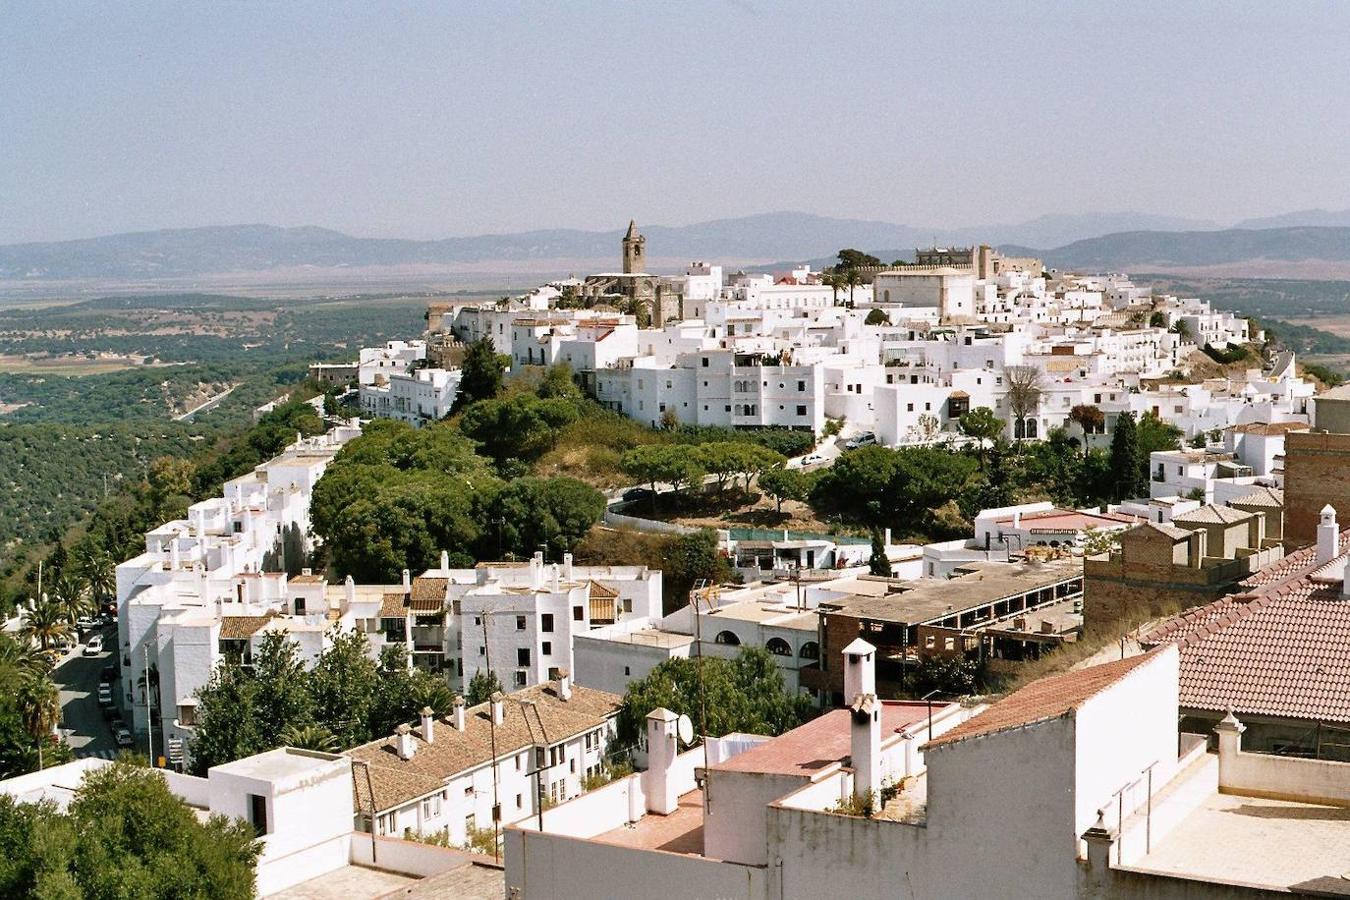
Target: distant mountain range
{"x":1094,"y":241}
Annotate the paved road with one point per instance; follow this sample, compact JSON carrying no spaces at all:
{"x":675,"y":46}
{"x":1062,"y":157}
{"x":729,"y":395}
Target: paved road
{"x":81,"y":718}
{"x":203,"y":407}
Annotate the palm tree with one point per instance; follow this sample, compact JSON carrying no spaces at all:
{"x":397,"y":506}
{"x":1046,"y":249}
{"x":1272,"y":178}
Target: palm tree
{"x":70,"y":596}
{"x":310,"y":737}
{"x":18,"y":660}
{"x":100,"y":574}
{"x":1181,"y":329}
{"x":835,"y":281}
{"x":39,"y":705}
{"x":852,"y":278}
{"x":46,"y":623}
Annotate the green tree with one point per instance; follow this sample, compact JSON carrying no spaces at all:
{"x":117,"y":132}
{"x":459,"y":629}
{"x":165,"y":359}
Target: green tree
{"x":690,"y":558}
{"x":45,"y":623}
{"x":227,"y":727}
{"x":124,"y":835}
{"x":879,"y":563}
{"x":981,"y":425}
{"x":856,"y":259}
{"x":1158,"y":319}
{"x":949,"y":676}
{"x":553,"y":512}
{"x":558,"y":384}
{"x":482,"y":685}
{"x":313,"y":737}
{"x":342,"y":687}
{"x":281,"y":691}
{"x":782,"y":483}
{"x":480,"y":373}
{"x":521,"y":427}
{"x":654,"y":464}
{"x":1090,"y":418}
{"x":877,"y":317}
{"x":1126,"y":459}
{"x":742,"y":694}
{"x":169,"y":478}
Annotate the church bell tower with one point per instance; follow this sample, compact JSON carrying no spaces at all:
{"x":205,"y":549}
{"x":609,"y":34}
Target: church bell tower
{"x":634,"y":251}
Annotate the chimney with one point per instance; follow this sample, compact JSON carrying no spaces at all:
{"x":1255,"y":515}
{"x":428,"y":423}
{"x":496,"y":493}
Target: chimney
{"x":1328,"y":536}
{"x":554,"y":585}
{"x":658,"y":782}
{"x":445,"y":561}
{"x":407,"y":581}
{"x":859,"y":669}
{"x":1017,"y":518}
{"x":459,"y":713}
{"x":1230,"y":731}
{"x":865,"y":746}
{"x":537,"y":571}
{"x":567,"y":566}
{"x":403,"y":735}
{"x":175,"y":559}
{"x":498,"y":707}
{"x":428,"y":724}
{"x":886,"y":537}
{"x":349,"y":585}
{"x":564,"y":685}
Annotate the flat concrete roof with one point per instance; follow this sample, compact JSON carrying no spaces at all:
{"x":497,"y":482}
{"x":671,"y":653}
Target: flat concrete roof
{"x":347,"y":883}
{"x":679,"y":832}
{"x":775,"y":614}
{"x":647,"y":637}
{"x":1271,"y":843}
{"x":280,"y":764}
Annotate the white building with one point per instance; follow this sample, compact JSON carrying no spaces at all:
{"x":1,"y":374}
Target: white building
{"x":415,"y":397}
{"x":445,"y":776}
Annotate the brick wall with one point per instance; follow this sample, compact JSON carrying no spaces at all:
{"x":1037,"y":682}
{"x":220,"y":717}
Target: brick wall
{"x":1316,"y":472}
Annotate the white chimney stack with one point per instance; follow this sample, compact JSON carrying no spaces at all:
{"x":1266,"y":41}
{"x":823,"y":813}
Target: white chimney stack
{"x":567,"y":566}
{"x":445,"y":561}
{"x":537,"y":571}
{"x":554,"y":576}
{"x":428,"y":724}
{"x":403,"y":735}
{"x":860,"y":673}
{"x":349,"y":586}
{"x":498,"y":707}
{"x":564,"y":685}
{"x":459,"y":713}
{"x":1328,"y":536}
{"x":865,"y":746}
{"x":658,"y":783}
{"x":407,"y":581}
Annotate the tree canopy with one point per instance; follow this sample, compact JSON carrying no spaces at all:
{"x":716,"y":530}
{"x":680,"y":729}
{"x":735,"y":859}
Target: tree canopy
{"x":741,"y":694}
{"x":124,"y":835}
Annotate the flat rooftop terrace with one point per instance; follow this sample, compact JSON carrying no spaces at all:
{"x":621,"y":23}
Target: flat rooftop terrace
{"x":679,"y":832}
{"x":1277,"y":844}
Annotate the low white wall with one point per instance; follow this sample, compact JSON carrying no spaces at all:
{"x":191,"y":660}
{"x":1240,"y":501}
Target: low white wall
{"x":618,"y":520}
{"x":1284,"y":778}
{"x":190,"y":789}
{"x":408,"y":857}
{"x":560,"y":868}
{"x":281,"y":872}
{"x":597,"y":811}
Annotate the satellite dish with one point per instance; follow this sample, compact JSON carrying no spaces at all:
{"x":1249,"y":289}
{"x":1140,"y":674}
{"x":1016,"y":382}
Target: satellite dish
{"x":685,"y":729}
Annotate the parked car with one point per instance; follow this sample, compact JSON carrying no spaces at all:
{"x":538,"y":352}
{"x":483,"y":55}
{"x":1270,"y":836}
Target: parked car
{"x":861,"y":440}
{"x":105,"y":697}
{"x":87,"y":623}
{"x":633,"y":495}
{"x":95,"y":646}
{"x":108,"y":674}
{"x":123,"y":737}
{"x":812,"y":459}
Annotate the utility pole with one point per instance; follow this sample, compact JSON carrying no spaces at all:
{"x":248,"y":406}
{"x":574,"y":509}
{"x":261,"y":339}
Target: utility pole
{"x":149,"y":710}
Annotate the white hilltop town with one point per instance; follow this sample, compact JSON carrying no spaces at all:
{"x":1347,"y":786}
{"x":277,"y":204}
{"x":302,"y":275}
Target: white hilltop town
{"x":1202,"y":752}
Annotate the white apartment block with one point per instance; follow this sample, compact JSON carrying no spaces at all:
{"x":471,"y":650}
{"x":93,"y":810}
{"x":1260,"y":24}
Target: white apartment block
{"x":416,"y":397}
{"x":445,"y":776}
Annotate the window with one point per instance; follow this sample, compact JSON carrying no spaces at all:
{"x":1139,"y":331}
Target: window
{"x":572,"y":767}
{"x":576,"y":614}
{"x":801,"y":410}
{"x":810,"y":650}
{"x":522,"y":656}
{"x":801,"y":385}
{"x":726,"y":637}
{"x":705,"y":362}
{"x":546,"y":623}
{"x":778,"y":647}
{"x":470,"y":824}
{"x":520,"y":678}
{"x":627,"y":671}
{"x":431,"y":806}
{"x":257,"y":813}
{"x":547,"y":648}
{"x":520,"y":623}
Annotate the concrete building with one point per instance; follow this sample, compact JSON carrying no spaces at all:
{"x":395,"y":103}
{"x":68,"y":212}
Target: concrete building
{"x":417,"y":397}
{"x":985,"y":609}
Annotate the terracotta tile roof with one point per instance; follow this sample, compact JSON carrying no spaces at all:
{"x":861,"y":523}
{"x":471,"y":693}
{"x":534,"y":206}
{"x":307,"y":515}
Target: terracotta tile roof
{"x":1213,"y":515}
{"x":307,"y":579}
{"x":1043,"y":700}
{"x":1264,"y":497}
{"x":392,"y":605}
{"x":241,"y":628}
{"x":428,"y":593}
{"x":1270,"y":427}
{"x":1280,"y":649}
{"x":1176,"y":534}
{"x":601,"y":591}
{"x":398,"y":781}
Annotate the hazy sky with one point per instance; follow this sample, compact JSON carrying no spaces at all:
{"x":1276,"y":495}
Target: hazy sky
{"x":439,"y":119}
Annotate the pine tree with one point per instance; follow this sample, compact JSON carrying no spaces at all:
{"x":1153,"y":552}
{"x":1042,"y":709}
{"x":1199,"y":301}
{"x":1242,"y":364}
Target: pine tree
{"x":879,"y":563}
{"x":1125,"y":462}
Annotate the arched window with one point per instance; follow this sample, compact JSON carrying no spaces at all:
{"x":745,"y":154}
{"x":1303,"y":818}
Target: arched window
{"x":810,"y":650}
{"x":1031,"y":428}
{"x":726,"y":637}
{"x":1019,"y":429}
{"x":778,"y":647}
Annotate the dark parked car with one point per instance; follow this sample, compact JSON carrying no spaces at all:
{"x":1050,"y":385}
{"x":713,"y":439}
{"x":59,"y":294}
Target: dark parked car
{"x":108,"y":674}
{"x":633,"y":495}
